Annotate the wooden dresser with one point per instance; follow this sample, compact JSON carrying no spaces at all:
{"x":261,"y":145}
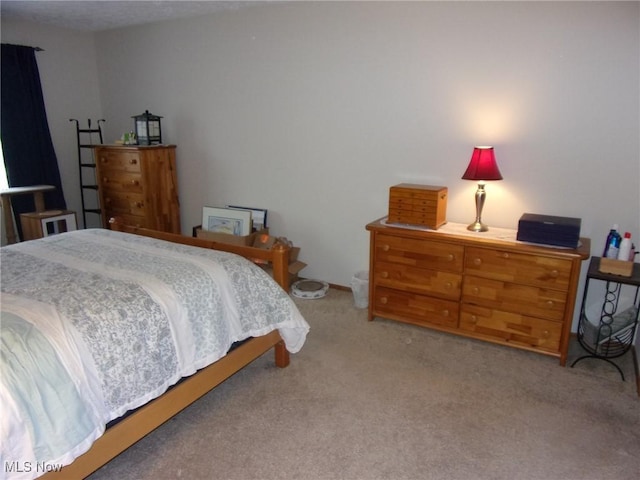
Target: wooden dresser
{"x":486,"y":286}
{"x":139,"y":185}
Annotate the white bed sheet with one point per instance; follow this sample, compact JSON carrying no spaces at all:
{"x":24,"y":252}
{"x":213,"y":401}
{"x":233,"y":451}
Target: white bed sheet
{"x":96,"y":323}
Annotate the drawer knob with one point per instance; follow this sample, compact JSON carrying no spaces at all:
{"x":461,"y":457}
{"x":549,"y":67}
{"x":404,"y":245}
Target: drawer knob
{"x":139,"y":204}
{"x":384,"y":274}
{"x":475,"y":290}
{"x":448,"y":286}
{"x":445,"y":313}
{"x":384,"y":300}
{"x":505,"y":255}
{"x":477,"y":261}
{"x":135,"y":182}
{"x":554,"y":273}
{"x":550,"y":303}
{"x":385,"y":248}
{"x":133,"y":161}
{"x":474,"y":319}
{"x":451,"y":257}
{"x":105,"y":180}
{"x":107,"y":200}
{"x":545,"y":334}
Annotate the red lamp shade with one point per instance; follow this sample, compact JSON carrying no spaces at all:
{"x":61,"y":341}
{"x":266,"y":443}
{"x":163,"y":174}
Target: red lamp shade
{"x":483,"y":165}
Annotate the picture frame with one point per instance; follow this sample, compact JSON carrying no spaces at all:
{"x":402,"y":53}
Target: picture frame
{"x":226,"y":220}
{"x":258,"y":216}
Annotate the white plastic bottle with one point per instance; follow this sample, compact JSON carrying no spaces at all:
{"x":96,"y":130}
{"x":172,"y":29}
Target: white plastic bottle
{"x":625,"y":247}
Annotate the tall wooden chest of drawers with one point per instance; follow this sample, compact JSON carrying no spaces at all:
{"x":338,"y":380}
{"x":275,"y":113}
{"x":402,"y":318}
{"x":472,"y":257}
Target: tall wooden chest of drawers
{"x":486,"y":285}
{"x":139,"y":185}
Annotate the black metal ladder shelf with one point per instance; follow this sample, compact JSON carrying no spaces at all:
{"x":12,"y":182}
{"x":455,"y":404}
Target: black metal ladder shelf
{"x":612,"y":336}
{"x":87,"y":168}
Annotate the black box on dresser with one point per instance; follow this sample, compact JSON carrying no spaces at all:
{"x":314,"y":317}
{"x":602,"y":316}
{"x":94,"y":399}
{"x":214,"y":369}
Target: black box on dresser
{"x":549,"y":230}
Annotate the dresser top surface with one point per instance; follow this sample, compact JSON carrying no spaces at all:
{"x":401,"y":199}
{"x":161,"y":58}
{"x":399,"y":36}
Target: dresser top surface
{"x":494,"y":237}
{"x":133,"y":147}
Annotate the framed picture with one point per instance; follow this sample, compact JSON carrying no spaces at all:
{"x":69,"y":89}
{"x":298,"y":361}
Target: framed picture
{"x":258,"y":216}
{"x":226,"y":220}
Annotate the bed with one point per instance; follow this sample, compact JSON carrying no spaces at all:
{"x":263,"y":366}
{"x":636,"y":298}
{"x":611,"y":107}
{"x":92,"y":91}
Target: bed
{"x":126,"y":327}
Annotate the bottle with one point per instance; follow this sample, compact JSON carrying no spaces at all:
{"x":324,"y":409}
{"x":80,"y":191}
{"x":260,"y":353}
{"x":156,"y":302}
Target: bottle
{"x":614,"y":246}
{"x":612,"y":233}
{"x":625,"y":247}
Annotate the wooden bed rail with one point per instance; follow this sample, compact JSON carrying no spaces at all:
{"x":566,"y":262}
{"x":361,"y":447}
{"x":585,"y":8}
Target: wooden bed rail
{"x":278,"y":255}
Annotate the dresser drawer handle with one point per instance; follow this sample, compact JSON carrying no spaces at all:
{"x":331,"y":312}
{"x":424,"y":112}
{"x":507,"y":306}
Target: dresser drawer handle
{"x":104,"y":160}
{"x":445,"y":313}
{"x":105,"y":180}
{"x":384,"y":274}
{"x":133,"y":161}
{"x":554,"y":273}
{"x":385,"y":248}
{"x":477,"y":261}
{"x":448,"y":286}
{"x":505,"y":255}
{"x":550,"y":303}
{"x":474,"y":319}
{"x":475,"y":291}
{"x":451,"y":257}
{"x":384,"y":300}
{"x":107,"y":200}
{"x":139,"y":204}
{"x":545,"y":334}
{"x":135,"y":183}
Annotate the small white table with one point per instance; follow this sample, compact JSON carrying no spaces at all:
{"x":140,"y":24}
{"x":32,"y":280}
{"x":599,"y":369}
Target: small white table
{"x":5,"y":197}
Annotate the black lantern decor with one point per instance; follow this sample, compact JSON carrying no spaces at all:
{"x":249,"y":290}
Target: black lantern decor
{"x":148,"y":130}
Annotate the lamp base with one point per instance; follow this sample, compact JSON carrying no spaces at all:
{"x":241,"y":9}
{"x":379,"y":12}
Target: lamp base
{"x":477,"y":227}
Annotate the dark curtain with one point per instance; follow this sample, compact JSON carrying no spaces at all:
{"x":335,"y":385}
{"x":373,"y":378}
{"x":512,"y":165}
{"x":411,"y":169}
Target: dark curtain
{"x":28,"y":152}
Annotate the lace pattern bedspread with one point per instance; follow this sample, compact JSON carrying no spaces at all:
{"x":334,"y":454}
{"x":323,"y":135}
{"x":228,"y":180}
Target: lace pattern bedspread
{"x":126,"y":317}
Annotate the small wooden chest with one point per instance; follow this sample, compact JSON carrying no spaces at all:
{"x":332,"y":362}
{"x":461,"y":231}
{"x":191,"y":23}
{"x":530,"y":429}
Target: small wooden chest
{"x":424,"y":205}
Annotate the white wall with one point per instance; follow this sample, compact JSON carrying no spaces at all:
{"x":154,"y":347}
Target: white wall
{"x":313,"y":109}
{"x":69,"y":77}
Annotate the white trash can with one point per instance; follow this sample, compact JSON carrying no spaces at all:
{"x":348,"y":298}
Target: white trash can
{"x":360,"y":288}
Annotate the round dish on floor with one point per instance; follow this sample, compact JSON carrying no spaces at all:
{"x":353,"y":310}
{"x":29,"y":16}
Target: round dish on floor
{"x":309,"y":289}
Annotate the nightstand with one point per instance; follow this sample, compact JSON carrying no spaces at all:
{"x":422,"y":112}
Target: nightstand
{"x":611,"y":335}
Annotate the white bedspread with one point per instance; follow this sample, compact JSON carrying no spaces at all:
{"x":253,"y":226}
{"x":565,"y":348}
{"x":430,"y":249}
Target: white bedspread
{"x":95,"y":323}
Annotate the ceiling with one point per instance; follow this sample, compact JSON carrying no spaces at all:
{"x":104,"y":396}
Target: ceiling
{"x":96,"y":15}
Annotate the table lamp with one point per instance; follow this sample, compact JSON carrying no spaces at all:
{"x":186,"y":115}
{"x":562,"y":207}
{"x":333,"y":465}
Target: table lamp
{"x":482,"y":168}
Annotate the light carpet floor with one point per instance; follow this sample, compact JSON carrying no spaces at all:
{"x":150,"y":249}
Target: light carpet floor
{"x":385,"y":400}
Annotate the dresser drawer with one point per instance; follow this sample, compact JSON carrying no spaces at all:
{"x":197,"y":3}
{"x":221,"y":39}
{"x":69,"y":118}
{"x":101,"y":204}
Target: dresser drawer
{"x":419,"y":253}
{"x":414,"y":218}
{"x":118,"y":161}
{"x":546,"y":272}
{"x":513,"y":297}
{"x":125,"y":203}
{"x":119,"y":181}
{"x":511,"y":328}
{"x":418,"y":280}
{"x":411,"y":204}
{"x":414,"y":308}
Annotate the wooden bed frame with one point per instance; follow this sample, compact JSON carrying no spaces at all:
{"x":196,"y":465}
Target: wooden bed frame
{"x":147,"y":418}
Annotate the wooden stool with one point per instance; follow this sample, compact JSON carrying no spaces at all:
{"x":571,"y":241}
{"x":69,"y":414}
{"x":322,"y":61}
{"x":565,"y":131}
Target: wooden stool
{"x":42,"y":224}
